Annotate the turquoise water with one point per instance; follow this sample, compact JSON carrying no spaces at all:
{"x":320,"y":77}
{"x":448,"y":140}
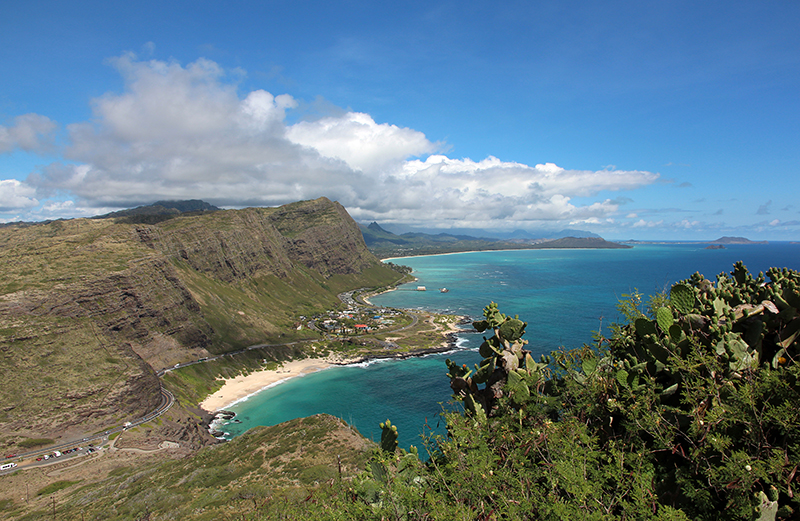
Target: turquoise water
{"x":564,"y":295}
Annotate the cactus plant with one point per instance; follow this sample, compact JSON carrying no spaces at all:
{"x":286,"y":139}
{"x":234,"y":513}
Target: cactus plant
{"x":388,"y":437}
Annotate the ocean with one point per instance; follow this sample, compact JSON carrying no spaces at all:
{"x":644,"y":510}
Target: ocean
{"x":563,"y":295}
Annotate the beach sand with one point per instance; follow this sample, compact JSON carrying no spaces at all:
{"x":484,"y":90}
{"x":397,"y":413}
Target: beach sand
{"x":234,"y":389}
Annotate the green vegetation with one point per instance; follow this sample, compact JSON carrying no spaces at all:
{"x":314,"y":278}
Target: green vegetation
{"x":192,"y":383}
{"x":55,"y":487}
{"x":103,"y":302}
{"x":266,"y":471}
{"x":31,"y":443}
{"x":385,"y":244}
{"x":688,"y":411}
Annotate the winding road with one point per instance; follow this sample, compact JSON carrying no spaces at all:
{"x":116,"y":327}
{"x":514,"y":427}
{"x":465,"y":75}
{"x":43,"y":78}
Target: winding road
{"x":167,"y":399}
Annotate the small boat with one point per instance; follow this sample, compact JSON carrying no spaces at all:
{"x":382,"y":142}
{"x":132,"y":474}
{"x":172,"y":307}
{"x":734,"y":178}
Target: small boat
{"x":443,"y":290}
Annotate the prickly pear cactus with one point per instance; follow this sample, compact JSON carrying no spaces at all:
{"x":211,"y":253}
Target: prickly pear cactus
{"x":503,"y":354}
{"x":681,"y":296}
{"x":388,"y":437}
{"x":665,"y":319}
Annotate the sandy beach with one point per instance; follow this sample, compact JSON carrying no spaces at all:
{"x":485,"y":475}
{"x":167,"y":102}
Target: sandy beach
{"x":234,"y":389}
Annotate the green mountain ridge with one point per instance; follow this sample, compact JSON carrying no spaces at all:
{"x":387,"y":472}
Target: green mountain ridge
{"x":385,"y":244}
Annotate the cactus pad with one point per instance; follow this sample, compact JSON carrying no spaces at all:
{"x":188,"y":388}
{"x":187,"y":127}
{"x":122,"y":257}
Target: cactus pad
{"x":664,"y":318}
{"x":681,"y":296}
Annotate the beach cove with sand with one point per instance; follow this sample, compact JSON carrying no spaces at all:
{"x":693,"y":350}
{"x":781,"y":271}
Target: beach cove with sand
{"x":236,"y":389}
{"x":243,"y":386}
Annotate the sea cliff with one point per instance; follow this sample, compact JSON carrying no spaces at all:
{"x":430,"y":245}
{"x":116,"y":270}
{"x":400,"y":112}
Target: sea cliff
{"x":91,"y":309}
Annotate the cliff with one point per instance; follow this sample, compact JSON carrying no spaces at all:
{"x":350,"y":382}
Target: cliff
{"x":90,"y":309}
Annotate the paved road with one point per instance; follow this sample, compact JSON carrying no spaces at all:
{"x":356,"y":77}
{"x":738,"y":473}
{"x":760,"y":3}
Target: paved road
{"x":167,"y":401}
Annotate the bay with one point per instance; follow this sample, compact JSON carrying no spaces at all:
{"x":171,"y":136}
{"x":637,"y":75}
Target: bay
{"x":564,"y":295}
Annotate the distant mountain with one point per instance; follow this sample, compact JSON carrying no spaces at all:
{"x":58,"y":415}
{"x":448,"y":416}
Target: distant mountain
{"x":579,"y":242}
{"x":385,"y":244}
{"x":483,"y":234}
{"x":569,"y":232}
{"x":161,"y":209}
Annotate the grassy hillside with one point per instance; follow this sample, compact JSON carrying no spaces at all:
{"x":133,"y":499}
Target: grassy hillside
{"x":268,"y":469}
{"x":91,"y":308}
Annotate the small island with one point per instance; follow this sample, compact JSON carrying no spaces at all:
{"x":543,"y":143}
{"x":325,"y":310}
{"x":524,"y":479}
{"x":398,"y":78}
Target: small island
{"x":736,"y":240}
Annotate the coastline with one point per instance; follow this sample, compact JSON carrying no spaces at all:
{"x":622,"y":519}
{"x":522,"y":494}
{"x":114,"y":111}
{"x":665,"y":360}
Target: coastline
{"x":392,"y":259}
{"x":241,"y":387}
{"x":236,"y":389}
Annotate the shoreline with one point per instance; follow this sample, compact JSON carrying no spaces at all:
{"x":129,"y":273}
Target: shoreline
{"x":242,"y":387}
{"x":628,"y":247}
{"x":236,"y":389}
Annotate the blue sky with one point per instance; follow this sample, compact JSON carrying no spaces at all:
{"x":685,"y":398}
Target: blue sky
{"x":646,"y":120}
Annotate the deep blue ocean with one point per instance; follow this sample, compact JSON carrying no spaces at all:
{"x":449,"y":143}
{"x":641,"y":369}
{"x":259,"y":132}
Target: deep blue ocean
{"x":564,"y":295}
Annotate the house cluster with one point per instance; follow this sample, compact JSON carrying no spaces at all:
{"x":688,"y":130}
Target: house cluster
{"x":352,"y":321}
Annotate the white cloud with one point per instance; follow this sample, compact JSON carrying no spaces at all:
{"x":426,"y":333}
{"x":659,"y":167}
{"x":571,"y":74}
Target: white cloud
{"x":515,"y":179}
{"x":180,"y":132}
{"x":641,"y":223}
{"x":686,"y":223}
{"x":16,"y":195}
{"x":363,"y":144}
{"x":30,"y":132}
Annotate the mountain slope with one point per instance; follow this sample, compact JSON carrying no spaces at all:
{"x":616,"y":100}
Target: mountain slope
{"x":90,"y":309}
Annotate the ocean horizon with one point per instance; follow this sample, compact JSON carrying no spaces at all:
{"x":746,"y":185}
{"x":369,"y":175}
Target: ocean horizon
{"x":565,"y":296}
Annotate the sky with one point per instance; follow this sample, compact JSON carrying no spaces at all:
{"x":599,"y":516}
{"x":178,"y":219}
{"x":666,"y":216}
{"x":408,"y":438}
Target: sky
{"x":668,"y":120}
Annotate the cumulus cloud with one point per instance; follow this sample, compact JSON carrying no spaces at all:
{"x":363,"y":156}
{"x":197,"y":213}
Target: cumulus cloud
{"x":179,"y":132}
{"x":686,"y":223}
{"x":30,"y":132}
{"x":360,"y":142}
{"x":641,"y":223}
{"x":16,"y":195}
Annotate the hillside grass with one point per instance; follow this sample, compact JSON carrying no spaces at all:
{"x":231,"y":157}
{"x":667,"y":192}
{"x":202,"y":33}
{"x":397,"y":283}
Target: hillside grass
{"x":64,"y":252}
{"x":78,"y":297}
{"x":263,"y":468}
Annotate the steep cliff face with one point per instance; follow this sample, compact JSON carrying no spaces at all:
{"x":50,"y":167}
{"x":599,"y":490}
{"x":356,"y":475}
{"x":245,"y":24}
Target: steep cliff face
{"x":89,"y":308}
{"x":237,"y":244}
{"x":323,"y":236}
